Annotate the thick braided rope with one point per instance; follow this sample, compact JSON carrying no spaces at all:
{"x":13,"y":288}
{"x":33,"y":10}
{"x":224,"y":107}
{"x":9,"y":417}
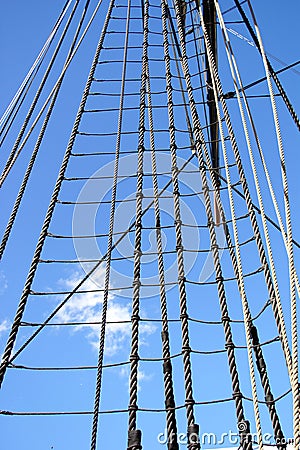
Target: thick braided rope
{"x":34,"y":264}
{"x":179,"y":247}
{"x":266,"y":171}
{"x":247,"y":317}
{"x":295,"y":370}
{"x":257,"y":185}
{"x":276,"y":305}
{"x":167,"y":365}
{"x":221,"y":290}
{"x":134,"y":356}
{"x":272,"y":71}
{"x":110,"y":244}
{"x":39,"y":140}
{"x":11,"y":159}
{"x":258,"y":351}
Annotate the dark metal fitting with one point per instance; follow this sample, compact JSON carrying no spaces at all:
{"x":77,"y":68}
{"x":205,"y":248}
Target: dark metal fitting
{"x":193,"y":437}
{"x":134,"y":439}
{"x":173,"y":445}
{"x":169,"y":403}
{"x":167,"y":367}
{"x":254,"y":335}
{"x":164,"y":336}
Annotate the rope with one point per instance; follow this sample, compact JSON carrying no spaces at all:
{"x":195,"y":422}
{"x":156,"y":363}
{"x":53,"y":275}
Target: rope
{"x":277,"y":307}
{"x":26,"y":291}
{"x":110,"y":242}
{"x":243,"y":424}
{"x":260,"y":363}
{"x":36,"y":63}
{"x":218,"y":89}
{"x":193,"y":428}
{"x":11,"y":159}
{"x":23,"y":186}
{"x":167,"y":365}
{"x":257,"y":40}
{"x":295,"y":371}
{"x":48,"y":99}
{"x":134,"y":435}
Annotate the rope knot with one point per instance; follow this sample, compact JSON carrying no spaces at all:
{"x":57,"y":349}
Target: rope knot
{"x":229,"y":345}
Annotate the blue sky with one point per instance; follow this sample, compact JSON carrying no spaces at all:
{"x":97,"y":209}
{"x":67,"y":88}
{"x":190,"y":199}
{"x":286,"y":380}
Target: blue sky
{"x":24,"y":30}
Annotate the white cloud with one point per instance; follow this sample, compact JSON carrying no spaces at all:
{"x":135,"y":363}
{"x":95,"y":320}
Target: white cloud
{"x":88,"y":308}
{"x":4,"y":326}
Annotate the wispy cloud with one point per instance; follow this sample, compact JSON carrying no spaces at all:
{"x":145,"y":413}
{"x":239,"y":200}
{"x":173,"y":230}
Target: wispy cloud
{"x":4,"y":326}
{"x":88,"y":308}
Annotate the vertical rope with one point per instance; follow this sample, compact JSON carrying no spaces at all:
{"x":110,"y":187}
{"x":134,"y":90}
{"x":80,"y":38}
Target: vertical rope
{"x":247,"y":317}
{"x":34,"y":264}
{"x":254,"y":335}
{"x":295,"y":370}
{"x":275,"y":301}
{"x":193,"y":428}
{"x":199,"y":141}
{"x":134,"y":435}
{"x":110,"y":243}
{"x":231,"y":56}
{"x":167,"y":364}
{"x":17,"y":203}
